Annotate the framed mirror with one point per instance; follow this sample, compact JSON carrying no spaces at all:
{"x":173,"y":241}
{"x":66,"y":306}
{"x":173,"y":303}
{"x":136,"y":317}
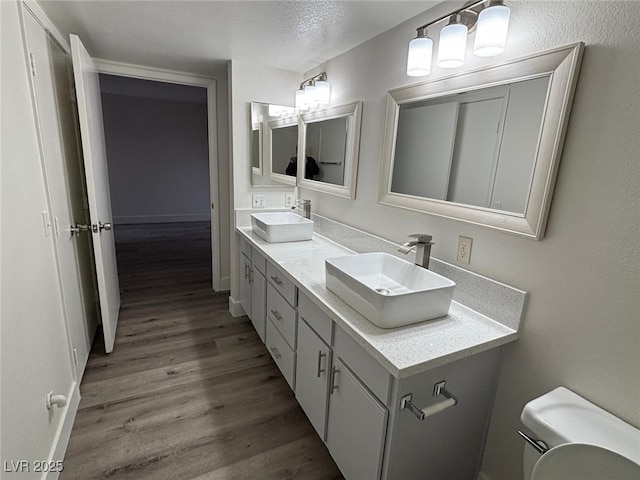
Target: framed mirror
{"x":283,"y":143}
{"x":264,"y":118}
{"x":256,"y":149}
{"x":483,"y":146}
{"x":330,"y":139}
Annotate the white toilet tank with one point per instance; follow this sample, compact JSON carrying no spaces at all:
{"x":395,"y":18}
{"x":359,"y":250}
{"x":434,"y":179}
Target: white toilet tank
{"x":562,"y":417}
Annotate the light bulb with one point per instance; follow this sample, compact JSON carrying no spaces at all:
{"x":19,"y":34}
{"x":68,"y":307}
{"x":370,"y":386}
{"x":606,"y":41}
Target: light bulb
{"x":419,"y":58}
{"x":301,"y":103}
{"x":323,"y":92}
{"x":452,"y":46}
{"x":310,"y":95}
{"x":491,"y":33}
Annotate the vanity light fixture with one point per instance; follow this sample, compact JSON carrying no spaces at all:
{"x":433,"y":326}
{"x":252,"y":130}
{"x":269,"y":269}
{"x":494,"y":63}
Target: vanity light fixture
{"x":491,"y":33}
{"x":489,"y":19}
{"x":314,"y":91}
{"x":453,"y":43}
{"x":420,"y":53}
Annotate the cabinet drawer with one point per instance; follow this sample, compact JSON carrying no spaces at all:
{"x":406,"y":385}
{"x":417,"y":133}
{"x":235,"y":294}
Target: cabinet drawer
{"x":245,"y":247}
{"x":282,"y":314}
{"x":282,"y":353}
{"x":316,"y":318}
{"x":374,"y":375}
{"x":259,"y":261}
{"x":282,"y":284}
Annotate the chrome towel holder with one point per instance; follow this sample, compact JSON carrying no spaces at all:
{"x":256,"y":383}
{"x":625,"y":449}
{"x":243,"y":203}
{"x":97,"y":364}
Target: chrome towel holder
{"x":422,"y":413}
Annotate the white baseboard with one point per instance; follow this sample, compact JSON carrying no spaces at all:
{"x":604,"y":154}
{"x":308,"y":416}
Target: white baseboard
{"x":483,"y":476}
{"x":235,"y":308}
{"x":225,"y":284}
{"x":187,"y":217}
{"x":61,"y":440}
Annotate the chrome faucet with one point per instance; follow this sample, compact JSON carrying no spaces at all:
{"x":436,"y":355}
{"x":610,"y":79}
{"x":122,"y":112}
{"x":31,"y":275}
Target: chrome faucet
{"x":422,"y":244}
{"x":305,"y":206}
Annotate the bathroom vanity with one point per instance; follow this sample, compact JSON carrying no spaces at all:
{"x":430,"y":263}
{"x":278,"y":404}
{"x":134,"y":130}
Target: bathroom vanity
{"x":351,"y":377}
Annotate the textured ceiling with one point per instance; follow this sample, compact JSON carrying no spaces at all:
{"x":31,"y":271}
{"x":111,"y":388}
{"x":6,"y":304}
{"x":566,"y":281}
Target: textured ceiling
{"x":200,"y":36}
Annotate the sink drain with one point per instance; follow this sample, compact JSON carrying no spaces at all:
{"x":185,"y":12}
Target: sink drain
{"x":383,"y":291}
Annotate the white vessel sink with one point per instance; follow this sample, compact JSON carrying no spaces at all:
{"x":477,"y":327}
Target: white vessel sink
{"x":277,"y":227}
{"x":389,"y":291}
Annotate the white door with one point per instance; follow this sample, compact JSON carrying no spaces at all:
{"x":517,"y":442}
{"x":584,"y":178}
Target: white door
{"x":62,"y":168}
{"x":95,"y":164}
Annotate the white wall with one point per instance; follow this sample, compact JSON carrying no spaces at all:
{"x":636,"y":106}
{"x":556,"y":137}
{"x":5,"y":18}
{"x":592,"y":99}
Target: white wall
{"x":581,"y":325}
{"x":251,"y":83}
{"x":158,"y":158}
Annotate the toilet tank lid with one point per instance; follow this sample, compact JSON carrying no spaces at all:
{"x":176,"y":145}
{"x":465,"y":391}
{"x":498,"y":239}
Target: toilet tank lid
{"x":561,"y":416}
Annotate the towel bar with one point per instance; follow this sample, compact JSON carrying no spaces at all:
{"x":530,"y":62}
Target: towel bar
{"x":422,"y":413}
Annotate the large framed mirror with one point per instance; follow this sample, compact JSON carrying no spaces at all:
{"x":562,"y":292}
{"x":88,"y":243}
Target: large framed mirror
{"x":283,"y":143}
{"x":330,"y":139}
{"x":265,"y":118}
{"x":483,"y":146}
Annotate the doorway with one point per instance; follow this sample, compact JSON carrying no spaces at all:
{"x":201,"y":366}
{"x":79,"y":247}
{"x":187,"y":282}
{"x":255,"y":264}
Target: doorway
{"x":160,"y":130}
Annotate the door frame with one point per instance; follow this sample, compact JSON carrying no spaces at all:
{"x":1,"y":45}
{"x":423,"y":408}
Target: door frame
{"x":181,"y":78}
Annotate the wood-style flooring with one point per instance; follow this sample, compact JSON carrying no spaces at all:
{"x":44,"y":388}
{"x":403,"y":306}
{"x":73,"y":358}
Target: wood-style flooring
{"x":189,"y":392}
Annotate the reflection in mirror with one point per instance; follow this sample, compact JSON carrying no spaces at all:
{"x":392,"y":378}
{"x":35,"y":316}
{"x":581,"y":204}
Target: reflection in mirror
{"x":331,"y":139}
{"x":482,"y":146}
{"x":475,"y":148}
{"x":263,"y":116}
{"x":326,"y":144}
{"x":283,"y":135}
{"x":284,"y":146}
{"x":256,"y":148}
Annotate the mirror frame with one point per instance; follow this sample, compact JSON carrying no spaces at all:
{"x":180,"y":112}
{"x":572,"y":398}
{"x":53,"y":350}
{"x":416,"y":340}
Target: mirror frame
{"x":273,"y":125}
{"x":257,"y":127}
{"x":562,"y":64}
{"x":348,"y":189}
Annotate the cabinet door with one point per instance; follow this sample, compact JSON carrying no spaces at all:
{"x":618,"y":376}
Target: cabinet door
{"x":356,"y":427}
{"x":312,"y":375}
{"x":258,"y":302}
{"x":245,"y":284}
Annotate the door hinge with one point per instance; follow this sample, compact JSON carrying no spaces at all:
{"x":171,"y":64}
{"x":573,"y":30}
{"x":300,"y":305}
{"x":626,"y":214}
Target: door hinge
{"x":32,"y":61}
{"x":75,"y":356}
{"x":72,"y":93}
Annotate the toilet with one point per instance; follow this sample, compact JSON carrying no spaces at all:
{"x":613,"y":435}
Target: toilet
{"x":581,"y":441}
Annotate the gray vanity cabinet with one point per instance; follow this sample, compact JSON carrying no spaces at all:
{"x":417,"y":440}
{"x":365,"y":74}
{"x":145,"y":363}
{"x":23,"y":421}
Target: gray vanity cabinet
{"x":282,"y":322}
{"x":356,"y":426}
{"x":312,"y":376}
{"x":331,"y":388}
{"x":253,"y":287}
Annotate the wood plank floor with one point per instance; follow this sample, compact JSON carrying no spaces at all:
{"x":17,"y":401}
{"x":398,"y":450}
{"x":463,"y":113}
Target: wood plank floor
{"x":189,"y":392}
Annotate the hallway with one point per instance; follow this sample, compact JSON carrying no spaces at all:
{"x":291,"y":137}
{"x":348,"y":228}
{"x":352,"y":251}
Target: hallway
{"x":189,"y":391}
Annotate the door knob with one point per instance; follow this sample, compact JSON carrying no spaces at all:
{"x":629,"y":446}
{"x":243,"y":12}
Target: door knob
{"x":78,"y":228}
{"x":101,"y":226}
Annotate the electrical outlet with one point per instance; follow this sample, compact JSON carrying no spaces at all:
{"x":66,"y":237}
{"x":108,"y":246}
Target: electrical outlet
{"x":289,"y":198}
{"x":464,"y":249}
{"x":258,"y":201}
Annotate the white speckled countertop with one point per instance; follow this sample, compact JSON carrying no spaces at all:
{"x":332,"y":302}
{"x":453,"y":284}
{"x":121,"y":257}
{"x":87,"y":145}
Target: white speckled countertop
{"x":402,"y":351}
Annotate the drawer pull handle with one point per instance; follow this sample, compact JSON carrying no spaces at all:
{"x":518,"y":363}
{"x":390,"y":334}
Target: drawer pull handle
{"x":320,"y":369}
{"x":276,"y":353}
{"x":334,"y":387}
{"x":276,"y":314}
{"x":276,"y":280}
